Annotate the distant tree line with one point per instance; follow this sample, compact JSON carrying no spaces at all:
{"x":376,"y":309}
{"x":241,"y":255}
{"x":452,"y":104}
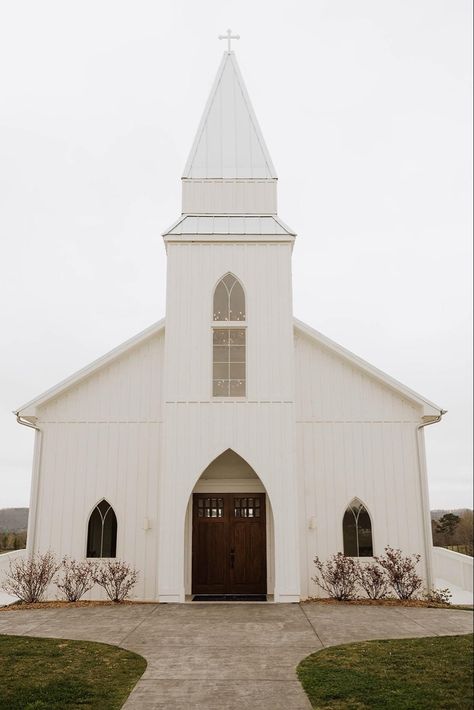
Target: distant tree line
{"x":12,"y":541}
{"x":454,"y":532}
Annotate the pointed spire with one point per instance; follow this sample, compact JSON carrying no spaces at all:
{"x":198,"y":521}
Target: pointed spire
{"x":229,"y":143}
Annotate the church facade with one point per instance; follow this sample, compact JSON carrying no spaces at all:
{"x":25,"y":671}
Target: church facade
{"x":225,"y":446}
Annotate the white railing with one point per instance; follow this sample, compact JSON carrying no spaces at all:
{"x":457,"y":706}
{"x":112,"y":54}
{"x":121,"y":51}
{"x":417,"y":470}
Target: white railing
{"x":453,"y":567}
{"x":5,"y":560}
{"x":6,"y":557}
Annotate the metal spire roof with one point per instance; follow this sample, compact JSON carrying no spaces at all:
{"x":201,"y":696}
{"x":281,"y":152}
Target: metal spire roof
{"x":229,"y":143}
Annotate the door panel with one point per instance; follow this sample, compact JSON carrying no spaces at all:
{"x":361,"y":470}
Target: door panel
{"x":209,"y":544}
{"x":229,"y":544}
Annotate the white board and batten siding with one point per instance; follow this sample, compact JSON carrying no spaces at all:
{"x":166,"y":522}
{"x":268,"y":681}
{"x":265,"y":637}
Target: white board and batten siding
{"x":102,"y":439}
{"x":355,"y":438}
{"x":259,"y":427}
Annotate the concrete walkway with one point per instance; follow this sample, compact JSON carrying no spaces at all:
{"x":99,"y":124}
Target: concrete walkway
{"x":229,"y":656}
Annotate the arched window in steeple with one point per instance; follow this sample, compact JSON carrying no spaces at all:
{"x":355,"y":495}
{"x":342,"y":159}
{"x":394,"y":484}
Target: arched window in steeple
{"x":357,"y":530}
{"x":229,"y":300}
{"x":102,"y":531}
{"x":228,"y":339}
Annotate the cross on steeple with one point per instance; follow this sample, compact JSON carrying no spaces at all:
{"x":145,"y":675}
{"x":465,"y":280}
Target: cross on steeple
{"x":229,"y":36}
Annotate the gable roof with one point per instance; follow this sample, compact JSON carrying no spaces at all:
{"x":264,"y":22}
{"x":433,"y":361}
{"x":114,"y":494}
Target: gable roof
{"x":429,"y":408}
{"x":229,"y":142}
{"x":28,"y":408}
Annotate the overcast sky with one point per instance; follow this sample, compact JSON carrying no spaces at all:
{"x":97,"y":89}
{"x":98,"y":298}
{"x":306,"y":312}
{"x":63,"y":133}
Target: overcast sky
{"x":366,"y":109}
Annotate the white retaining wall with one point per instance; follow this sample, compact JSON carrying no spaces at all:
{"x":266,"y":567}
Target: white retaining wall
{"x":5,"y":560}
{"x":455,"y":569}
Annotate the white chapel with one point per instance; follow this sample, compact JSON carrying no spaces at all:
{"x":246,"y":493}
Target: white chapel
{"x":226,"y":445}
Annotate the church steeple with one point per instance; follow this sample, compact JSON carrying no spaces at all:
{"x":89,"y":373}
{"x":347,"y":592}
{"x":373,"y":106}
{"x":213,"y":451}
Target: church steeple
{"x":229,"y":170}
{"x":229,"y":143}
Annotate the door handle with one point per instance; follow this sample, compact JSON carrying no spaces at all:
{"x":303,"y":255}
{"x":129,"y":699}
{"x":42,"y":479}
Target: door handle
{"x":232,"y":558}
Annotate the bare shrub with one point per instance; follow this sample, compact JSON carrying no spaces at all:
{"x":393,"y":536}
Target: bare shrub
{"x":117,"y":578}
{"x":75,"y":578}
{"x":438,"y":596}
{"x":337,"y":576}
{"x":401,"y":571}
{"x":28,"y":578}
{"x":373,"y":579}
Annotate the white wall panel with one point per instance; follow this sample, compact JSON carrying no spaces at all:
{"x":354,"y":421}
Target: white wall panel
{"x":102,"y":439}
{"x":193,"y":272}
{"x":229,"y":197}
{"x":329,"y":388}
{"x":355,"y":438}
{"x":127,"y":389}
{"x":83,"y":463}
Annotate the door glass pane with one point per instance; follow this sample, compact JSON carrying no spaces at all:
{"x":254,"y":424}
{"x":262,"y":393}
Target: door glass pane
{"x":210,"y":507}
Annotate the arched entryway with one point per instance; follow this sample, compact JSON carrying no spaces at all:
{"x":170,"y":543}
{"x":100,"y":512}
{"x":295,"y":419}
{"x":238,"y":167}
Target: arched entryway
{"x":229,"y":531}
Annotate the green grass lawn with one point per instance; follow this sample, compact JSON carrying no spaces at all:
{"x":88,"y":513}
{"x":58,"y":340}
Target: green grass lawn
{"x":53,"y":674}
{"x":403,"y":674}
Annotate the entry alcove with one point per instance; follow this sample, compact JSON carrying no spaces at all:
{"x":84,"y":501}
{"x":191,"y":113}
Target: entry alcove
{"x":233,"y":519}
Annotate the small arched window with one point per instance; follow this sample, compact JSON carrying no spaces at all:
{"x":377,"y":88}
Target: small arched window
{"x":102,"y":531}
{"x":228,"y":339}
{"x":229,"y":300}
{"x":357,"y":530}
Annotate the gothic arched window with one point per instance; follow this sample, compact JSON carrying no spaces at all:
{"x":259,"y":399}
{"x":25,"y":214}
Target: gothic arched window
{"x":102,"y":531}
{"x":357,"y":530}
{"x":229,"y":300}
{"x":228,"y":339}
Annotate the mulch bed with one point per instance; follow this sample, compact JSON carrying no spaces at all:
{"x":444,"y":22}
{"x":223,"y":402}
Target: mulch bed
{"x":58,"y":604}
{"x":385,"y":602}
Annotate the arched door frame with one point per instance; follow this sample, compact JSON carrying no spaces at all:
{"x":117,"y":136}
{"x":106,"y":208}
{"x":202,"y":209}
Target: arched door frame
{"x":229,"y":486}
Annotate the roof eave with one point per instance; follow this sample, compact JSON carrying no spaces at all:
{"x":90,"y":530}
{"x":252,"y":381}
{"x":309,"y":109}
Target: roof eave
{"x":429,"y":409}
{"x":29,"y":409}
{"x":170,"y":231}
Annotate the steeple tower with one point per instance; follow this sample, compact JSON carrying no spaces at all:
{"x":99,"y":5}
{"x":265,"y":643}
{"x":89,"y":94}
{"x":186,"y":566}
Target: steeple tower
{"x":229,"y":342}
{"x":229,"y":170}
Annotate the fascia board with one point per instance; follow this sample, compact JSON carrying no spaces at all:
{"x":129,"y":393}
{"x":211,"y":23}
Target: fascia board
{"x":28,"y":409}
{"x":229,"y":238}
{"x":429,"y":408}
{"x":174,"y":225}
{"x":284,"y":226}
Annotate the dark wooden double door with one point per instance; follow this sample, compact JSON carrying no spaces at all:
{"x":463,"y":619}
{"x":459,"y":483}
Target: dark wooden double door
{"x":229,"y":543}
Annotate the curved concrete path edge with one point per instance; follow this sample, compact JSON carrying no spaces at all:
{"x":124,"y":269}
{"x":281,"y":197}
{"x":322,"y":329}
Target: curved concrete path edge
{"x":229,"y":656}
